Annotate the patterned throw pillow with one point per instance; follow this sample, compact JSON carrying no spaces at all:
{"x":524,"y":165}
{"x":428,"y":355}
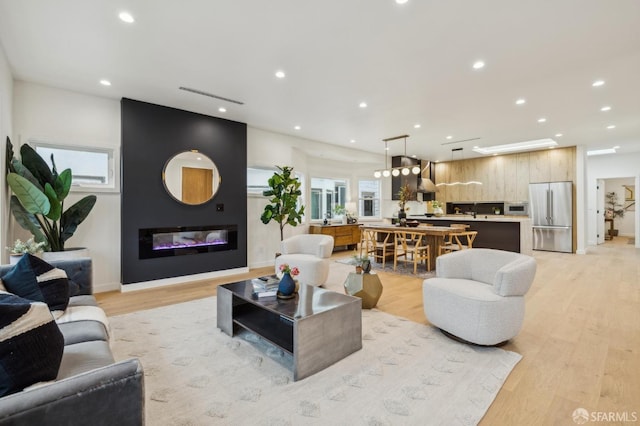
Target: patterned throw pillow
{"x":34,"y":279}
{"x":31,"y":344}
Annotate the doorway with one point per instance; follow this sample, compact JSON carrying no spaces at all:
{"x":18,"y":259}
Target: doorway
{"x":617,"y":197}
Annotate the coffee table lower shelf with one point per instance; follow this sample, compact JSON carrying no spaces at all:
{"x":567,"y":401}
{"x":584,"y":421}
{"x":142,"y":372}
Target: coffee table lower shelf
{"x":270,"y":326}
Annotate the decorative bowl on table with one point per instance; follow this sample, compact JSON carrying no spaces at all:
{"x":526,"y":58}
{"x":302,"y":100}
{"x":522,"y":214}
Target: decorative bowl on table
{"x":412,"y":223}
{"x":428,"y":214}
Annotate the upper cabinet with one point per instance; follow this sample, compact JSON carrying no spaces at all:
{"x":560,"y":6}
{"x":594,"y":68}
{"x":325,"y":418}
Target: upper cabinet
{"x":504,"y":177}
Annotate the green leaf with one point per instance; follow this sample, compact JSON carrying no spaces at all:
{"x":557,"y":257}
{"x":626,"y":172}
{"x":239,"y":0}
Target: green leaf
{"x":9,"y":157}
{"x":20,"y":169}
{"x":56,"y":206}
{"x":63,"y":184}
{"x":26,"y":220}
{"x":74,"y":216}
{"x":36,"y":165}
{"x":32,"y":199}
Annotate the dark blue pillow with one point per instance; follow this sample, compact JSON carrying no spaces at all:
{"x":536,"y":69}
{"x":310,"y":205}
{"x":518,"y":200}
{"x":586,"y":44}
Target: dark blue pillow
{"x":32,"y":344}
{"x":34,"y":279}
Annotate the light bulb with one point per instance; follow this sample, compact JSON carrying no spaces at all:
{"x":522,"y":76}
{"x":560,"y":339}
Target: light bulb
{"x":405,"y":171}
{"x":386,"y":173}
{"x":415,"y":170}
{"x":395,"y":172}
{"x":377,"y":174}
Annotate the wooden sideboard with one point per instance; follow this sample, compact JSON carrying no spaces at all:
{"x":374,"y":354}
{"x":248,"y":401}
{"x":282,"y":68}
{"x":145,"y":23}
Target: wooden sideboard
{"x":343,"y":235}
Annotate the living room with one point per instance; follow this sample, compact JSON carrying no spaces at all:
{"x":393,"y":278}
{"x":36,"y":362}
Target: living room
{"x":39,"y":108}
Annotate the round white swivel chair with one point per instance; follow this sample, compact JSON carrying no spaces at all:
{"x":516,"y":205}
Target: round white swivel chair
{"x":310,"y":253}
{"x":478,"y":294}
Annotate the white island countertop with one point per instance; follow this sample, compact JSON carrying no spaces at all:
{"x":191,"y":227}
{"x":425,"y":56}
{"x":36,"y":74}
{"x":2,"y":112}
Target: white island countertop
{"x":466,"y":218}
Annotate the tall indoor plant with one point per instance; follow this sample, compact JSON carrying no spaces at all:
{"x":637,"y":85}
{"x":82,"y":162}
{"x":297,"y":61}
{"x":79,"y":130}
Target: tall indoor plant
{"x":613,"y":210}
{"x":283,"y":199}
{"x":38,"y":200}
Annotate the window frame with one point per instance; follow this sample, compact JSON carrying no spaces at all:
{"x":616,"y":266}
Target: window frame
{"x":113,"y":164}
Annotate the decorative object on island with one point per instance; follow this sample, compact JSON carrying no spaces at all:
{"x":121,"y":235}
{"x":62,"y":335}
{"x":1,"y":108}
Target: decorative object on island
{"x":38,"y":203}
{"x":20,"y":248}
{"x":404,"y":195}
{"x":284,"y":194}
{"x":287,"y":286}
{"x":612,"y":210}
{"x":437,"y":208}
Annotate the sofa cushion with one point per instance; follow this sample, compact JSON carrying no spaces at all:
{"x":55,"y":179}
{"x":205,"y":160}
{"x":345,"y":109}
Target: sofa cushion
{"x":31,"y":344}
{"x":34,"y":279}
{"x":83,"y":331}
{"x":85,"y":356}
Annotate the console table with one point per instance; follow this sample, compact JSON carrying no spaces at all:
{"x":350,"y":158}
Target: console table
{"x":343,"y":235}
{"x":318,"y":327}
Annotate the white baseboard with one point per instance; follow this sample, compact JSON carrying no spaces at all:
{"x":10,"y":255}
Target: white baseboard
{"x":262,"y":264}
{"x":125,"y":288}
{"x":104,"y":287}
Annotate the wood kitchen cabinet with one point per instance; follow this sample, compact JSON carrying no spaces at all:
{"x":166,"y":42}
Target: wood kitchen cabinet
{"x":343,"y":235}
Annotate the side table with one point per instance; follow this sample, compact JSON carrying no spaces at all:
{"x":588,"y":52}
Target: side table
{"x":365,"y":286}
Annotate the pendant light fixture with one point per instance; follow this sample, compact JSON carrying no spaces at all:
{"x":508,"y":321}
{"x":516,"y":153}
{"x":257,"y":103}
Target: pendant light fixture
{"x":396,"y":171}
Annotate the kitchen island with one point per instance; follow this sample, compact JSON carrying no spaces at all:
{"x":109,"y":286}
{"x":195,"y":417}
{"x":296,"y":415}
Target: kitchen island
{"x":511,"y":233}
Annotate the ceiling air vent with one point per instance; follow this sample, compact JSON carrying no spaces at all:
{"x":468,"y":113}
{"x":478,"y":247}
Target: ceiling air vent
{"x":211,"y":95}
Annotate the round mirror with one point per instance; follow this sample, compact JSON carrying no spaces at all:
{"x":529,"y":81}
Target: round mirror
{"x":191,"y":177}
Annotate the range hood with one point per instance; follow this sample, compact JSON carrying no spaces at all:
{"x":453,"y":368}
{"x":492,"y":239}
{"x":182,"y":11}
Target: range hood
{"x":427,"y":173}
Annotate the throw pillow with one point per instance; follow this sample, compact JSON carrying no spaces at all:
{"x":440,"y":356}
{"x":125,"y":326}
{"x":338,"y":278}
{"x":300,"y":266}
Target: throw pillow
{"x":31,"y":344}
{"x":34,"y":279}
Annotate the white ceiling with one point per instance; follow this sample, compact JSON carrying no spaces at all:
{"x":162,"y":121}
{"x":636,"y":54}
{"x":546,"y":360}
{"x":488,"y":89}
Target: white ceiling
{"x":411,"y":63}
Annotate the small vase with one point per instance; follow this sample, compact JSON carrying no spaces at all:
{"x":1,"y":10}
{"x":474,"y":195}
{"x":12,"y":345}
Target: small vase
{"x":366,"y":266}
{"x":287,"y":285}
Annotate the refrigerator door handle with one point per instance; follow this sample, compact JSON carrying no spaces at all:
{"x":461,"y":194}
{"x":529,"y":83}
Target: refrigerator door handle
{"x":550,"y":227}
{"x":547,"y":206}
{"x":551,"y":206}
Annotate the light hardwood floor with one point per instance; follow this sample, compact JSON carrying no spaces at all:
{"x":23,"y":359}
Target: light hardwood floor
{"x":580,"y":341}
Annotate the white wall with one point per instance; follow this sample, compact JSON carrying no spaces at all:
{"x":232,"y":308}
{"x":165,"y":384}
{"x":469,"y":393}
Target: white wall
{"x":610,"y":167}
{"x":6,"y":108}
{"x":65,"y":117}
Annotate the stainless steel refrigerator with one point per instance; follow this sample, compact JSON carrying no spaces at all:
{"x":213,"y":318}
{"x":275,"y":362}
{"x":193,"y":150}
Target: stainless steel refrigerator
{"x":551,"y":205}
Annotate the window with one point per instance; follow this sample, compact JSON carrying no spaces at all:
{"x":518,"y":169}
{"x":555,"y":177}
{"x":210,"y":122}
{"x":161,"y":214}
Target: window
{"x":258,"y":181}
{"x":369,"y":198}
{"x":93,"y":169}
{"x":326,"y":194}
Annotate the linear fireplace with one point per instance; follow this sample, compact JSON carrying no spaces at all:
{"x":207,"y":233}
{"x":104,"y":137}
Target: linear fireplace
{"x":186,"y":240}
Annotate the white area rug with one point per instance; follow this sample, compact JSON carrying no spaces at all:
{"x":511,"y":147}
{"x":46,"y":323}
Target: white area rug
{"x":405,"y":374}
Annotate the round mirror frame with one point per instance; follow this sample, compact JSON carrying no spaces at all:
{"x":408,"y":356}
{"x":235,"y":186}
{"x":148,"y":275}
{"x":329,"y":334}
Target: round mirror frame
{"x":173,"y":178}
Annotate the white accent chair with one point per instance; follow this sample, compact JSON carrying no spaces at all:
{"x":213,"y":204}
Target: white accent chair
{"x":478,"y":294}
{"x":310,"y":253}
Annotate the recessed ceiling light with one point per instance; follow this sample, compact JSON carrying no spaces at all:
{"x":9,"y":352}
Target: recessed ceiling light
{"x":558,"y":135}
{"x":449,"y":137}
{"x":297,"y":127}
{"x":598,"y":83}
{"x":222,"y":109}
{"x":478,"y":65}
{"x":126,"y":17}
{"x":602,"y":151}
{"x":611,"y":126}
{"x":605,"y":108}
{"x":521,"y":101}
{"x":542,"y":120}
{"x":352,"y":141}
{"x":416,"y":126}
{"x":280,"y":74}
{"x":414,"y":156}
{"x":105,"y":82}
{"x":363,"y":105}
{"x":401,"y":1}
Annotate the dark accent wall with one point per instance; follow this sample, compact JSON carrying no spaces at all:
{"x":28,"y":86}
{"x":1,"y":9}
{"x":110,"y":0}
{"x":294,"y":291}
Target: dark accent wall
{"x":151,"y":134}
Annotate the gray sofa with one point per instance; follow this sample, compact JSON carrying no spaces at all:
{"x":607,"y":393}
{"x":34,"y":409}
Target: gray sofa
{"x":91,"y":388}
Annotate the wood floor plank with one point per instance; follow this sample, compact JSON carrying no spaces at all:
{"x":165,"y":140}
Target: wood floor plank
{"x":580,"y":340}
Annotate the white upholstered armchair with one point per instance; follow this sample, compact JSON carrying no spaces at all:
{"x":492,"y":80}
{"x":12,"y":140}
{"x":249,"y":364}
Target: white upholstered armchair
{"x":310,"y":253}
{"x":478,"y":294}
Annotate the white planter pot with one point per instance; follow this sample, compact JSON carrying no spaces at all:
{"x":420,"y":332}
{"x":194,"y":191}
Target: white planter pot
{"x":15,"y":258}
{"x":68,"y":254}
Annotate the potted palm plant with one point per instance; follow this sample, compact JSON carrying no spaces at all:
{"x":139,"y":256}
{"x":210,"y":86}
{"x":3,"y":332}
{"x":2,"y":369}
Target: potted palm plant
{"x":283,"y":200}
{"x":614,"y":209}
{"x":38,"y":198}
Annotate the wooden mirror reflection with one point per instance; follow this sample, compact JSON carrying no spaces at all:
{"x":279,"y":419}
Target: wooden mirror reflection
{"x":191,"y":177}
